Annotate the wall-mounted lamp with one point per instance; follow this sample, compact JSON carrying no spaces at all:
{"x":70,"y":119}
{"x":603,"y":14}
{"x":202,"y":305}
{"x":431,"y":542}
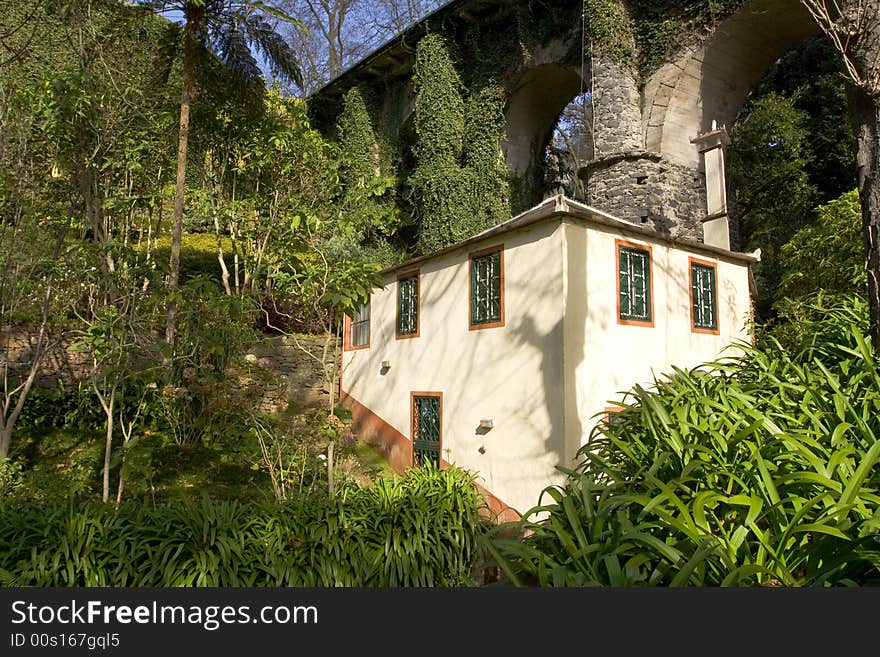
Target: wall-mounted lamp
{"x":486,"y":424}
{"x":386,"y":364}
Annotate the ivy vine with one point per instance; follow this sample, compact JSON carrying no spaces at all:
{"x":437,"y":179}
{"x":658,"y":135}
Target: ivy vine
{"x":369,"y":199}
{"x":609,"y":31}
{"x":459,"y":184}
{"x":439,"y":109}
{"x":356,"y":138}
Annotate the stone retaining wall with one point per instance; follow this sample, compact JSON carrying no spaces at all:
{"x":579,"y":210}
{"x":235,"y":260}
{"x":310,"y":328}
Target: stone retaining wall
{"x":289,"y":374}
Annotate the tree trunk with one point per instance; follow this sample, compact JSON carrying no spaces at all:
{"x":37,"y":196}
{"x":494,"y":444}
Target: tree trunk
{"x":42,"y":346}
{"x":224,"y":272}
{"x":108,"y":405}
{"x":865,"y":113}
{"x":189,"y":52}
{"x":121,"y":485}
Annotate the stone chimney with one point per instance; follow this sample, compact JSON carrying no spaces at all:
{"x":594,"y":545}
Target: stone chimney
{"x":716,"y":223}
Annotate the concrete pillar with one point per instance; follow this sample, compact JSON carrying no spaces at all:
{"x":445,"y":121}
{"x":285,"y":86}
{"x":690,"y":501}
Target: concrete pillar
{"x":716,"y":223}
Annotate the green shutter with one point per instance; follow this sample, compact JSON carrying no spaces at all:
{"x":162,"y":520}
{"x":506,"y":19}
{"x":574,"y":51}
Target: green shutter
{"x":360,"y":326}
{"x":703,"y":297}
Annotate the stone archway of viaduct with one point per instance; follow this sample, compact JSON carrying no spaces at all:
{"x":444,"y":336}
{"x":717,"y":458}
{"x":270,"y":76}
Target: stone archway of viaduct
{"x":646,"y":167}
{"x":712,"y":81}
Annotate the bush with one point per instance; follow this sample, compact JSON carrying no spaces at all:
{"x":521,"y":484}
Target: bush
{"x":10,"y":476}
{"x":420,"y":530}
{"x":198,"y":255}
{"x":757,"y":470}
{"x":828,"y":255}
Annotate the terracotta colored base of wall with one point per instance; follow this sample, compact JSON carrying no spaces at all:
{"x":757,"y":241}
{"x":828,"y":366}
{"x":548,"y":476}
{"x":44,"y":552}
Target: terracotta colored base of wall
{"x":397,"y":450}
{"x":394,"y":446}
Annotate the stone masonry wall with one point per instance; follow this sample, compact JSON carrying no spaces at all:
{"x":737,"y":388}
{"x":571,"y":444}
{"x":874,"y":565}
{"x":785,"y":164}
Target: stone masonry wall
{"x":617,"y":115}
{"x":289,"y":375}
{"x":647,"y":189}
{"x":624,"y":179}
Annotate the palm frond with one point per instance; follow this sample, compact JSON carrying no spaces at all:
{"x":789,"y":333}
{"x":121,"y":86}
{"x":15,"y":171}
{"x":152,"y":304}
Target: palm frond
{"x":236,"y":31}
{"x":277,"y":52}
{"x":230,"y":42}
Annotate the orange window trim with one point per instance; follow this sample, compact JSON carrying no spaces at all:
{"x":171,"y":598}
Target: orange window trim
{"x":418,"y":274}
{"x":476,"y":254}
{"x":642,"y":247}
{"x":714,"y":265}
{"x":346,"y":332}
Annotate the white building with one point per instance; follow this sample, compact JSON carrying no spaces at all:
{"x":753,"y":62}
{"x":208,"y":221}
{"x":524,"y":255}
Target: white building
{"x":499,"y":353}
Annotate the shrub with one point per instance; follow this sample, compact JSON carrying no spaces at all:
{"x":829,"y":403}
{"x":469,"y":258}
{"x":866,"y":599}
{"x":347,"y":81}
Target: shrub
{"x":419,"y":530}
{"x":756,"y":470}
{"x":10,"y":476}
{"x":828,"y":255}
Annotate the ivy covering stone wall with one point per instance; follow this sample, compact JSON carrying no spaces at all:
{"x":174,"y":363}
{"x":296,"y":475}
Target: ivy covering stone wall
{"x":423,"y":159}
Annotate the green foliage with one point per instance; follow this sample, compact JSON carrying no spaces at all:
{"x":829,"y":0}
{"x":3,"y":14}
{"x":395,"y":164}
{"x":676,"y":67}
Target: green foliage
{"x":198,"y":255}
{"x":268,"y":184}
{"x":66,"y":406}
{"x":791,"y":150}
{"x":609,"y":28}
{"x":768,"y":154}
{"x":812,"y":77}
{"x":419,"y":530}
{"x":439,"y":107}
{"x":200,"y":401}
{"x":459,"y":185}
{"x":760,"y":469}
{"x":827,"y":256}
{"x":10,"y":476}
{"x":356,"y":139}
{"x":369,"y":201}
{"x":663,"y":27}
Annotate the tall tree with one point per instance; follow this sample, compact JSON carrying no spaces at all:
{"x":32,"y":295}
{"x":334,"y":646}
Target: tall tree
{"x":769,"y":159}
{"x":338,"y":36}
{"x":229,"y":29}
{"x":854,"y":28}
{"x":344,"y":31}
{"x":389,"y":18}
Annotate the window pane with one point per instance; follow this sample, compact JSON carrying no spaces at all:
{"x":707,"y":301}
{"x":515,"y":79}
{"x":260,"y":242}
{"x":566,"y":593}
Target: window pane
{"x":360,"y":326}
{"x":407,"y":305}
{"x":426,"y":438}
{"x":635,"y":284}
{"x":486,"y":288}
{"x":703,"y":297}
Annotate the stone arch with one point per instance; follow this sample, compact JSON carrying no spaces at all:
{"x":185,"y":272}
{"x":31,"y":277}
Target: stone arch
{"x":712,"y":81}
{"x":534,"y":104}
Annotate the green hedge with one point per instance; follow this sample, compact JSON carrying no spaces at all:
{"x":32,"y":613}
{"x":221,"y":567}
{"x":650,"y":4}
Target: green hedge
{"x":419,"y":530}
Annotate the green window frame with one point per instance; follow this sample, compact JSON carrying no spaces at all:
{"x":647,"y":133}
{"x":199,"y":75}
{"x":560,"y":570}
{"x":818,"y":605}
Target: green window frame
{"x":634,"y":294}
{"x":408,"y":306}
{"x":359,"y":327}
{"x":487,"y":288}
{"x":704,"y":297}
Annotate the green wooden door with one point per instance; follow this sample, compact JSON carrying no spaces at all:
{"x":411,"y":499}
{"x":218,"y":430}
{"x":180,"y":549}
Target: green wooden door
{"x":426,"y":429}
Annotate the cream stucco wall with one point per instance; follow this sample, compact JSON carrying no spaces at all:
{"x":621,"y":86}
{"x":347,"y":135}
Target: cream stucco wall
{"x":559,"y":359}
{"x":615,"y":356}
{"x":510,"y":374}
